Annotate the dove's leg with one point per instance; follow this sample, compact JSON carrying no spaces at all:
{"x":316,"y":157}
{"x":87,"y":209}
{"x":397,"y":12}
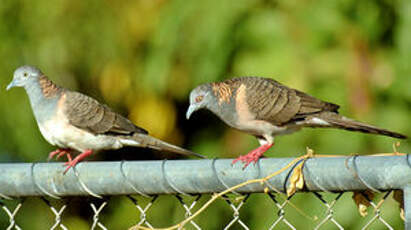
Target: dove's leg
{"x":254,"y":155}
{"x":60,"y":152}
{"x":71,"y":163}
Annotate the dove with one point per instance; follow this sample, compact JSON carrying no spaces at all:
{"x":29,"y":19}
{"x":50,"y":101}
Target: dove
{"x":78,"y":123}
{"x":265,"y":108}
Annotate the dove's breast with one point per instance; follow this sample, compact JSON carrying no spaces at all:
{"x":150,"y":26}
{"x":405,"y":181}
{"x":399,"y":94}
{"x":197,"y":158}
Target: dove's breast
{"x":58,"y":131}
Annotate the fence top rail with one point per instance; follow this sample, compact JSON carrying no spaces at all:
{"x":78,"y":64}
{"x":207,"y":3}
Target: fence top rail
{"x":345,"y":173}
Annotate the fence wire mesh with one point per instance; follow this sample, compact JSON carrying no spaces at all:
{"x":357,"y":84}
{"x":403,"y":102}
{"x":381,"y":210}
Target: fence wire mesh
{"x":312,"y":208}
{"x":280,"y":207}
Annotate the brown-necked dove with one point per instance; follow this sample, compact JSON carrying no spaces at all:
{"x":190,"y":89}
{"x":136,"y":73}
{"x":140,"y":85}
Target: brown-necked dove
{"x":265,"y":108}
{"x":74,"y":121}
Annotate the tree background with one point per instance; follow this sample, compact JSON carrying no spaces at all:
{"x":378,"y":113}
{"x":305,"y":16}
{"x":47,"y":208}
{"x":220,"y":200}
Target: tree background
{"x":142,"y":58}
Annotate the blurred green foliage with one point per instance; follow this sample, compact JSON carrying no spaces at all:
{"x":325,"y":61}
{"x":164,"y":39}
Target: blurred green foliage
{"x":144,"y":57}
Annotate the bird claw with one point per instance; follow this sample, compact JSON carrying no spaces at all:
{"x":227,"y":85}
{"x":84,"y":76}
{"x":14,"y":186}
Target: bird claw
{"x":69,"y":164}
{"x":73,"y":162}
{"x":253,"y":156}
{"x":62,"y":153}
{"x":52,"y":154}
{"x":59,"y":153}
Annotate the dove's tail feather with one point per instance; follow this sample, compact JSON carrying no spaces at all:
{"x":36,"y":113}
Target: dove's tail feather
{"x":335,"y":120}
{"x":146,"y":141}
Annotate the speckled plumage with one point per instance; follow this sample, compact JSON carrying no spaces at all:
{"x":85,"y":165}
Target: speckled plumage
{"x":265,"y":108}
{"x":271,"y":101}
{"x":87,"y":113}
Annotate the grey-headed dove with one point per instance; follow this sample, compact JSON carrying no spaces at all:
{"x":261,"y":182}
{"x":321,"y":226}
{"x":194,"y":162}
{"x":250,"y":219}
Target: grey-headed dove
{"x":74,"y":121}
{"x":265,"y":108}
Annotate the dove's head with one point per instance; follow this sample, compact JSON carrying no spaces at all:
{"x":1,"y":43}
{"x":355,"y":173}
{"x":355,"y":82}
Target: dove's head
{"x":24,"y":76}
{"x":200,"y":97}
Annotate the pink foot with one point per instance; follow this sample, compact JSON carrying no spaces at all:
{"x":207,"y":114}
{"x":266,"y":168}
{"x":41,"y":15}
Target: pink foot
{"x":253,"y":156}
{"x":60,"y":152}
{"x":71,"y":163}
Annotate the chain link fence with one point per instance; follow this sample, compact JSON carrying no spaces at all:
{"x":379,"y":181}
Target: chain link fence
{"x":145,"y":187}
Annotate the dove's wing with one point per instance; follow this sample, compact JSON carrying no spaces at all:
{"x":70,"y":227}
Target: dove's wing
{"x":278,"y":104}
{"x":88,"y":114}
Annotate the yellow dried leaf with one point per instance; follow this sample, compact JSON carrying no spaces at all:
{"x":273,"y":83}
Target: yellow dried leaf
{"x":310,"y":152}
{"x":399,"y":197}
{"x":296,"y":180}
{"x":362,"y":202}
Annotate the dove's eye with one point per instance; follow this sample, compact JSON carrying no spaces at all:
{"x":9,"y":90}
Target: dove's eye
{"x":199,"y":98}
{"x":25,"y":74}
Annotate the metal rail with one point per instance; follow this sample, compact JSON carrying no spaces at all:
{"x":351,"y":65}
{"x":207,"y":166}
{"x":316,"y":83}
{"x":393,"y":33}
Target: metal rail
{"x":201,"y":176}
{"x":330,"y":174}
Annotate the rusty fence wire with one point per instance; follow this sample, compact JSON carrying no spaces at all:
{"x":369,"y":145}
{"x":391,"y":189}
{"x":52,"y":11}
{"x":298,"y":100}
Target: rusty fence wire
{"x":188,"y":184}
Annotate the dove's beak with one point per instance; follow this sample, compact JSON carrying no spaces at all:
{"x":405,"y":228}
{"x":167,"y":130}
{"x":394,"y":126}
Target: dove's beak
{"x":190,"y":110}
{"x":11,"y":85}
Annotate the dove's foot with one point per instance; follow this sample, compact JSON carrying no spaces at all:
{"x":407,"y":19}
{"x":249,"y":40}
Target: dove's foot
{"x":71,"y":163}
{"x":59,"y":153}
{"x":253,"y":156}
{"x":62,"y":153}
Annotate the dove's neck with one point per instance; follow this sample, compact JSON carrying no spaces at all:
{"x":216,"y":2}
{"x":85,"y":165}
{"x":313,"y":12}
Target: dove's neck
{"x":43,"y":95}
{"x":225,"y":110}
